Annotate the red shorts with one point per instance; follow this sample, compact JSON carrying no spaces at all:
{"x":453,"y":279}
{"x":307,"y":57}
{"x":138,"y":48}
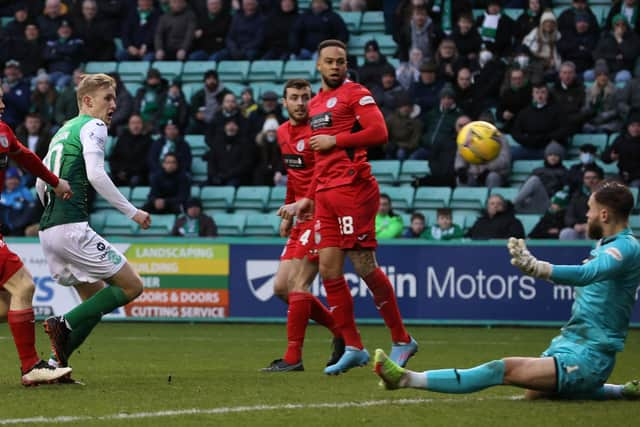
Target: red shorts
{"x":301,"y":242}
{"x":10,"y":263}
{"x":347,"y":216}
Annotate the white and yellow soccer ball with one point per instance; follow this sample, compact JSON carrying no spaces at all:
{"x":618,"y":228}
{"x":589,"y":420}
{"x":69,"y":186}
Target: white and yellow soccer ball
{"x":479,"y":142}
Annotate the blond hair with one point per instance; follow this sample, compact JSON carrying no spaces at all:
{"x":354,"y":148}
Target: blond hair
{"x":89,"y":83}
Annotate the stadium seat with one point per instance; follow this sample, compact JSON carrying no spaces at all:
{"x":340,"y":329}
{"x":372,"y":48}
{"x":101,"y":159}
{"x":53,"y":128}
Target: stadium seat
{"x":601,"y":12}
{"x":170,"y":70}
{"x":401,"y":197}
{"x":385,"y":171}
{"x":634,"y":191}
{"x":469,"y":217}
{"x":431,"y":197}
{"x":108,"y":148}
{"x":387,"y":44}
{"x":266,"y":71}
{"x":161,"y":225}
{"x":352,"y":20}
{"x":304,"y":5}
{"x":118,"y":225}
{"x":430,"y":216}
{"x":508,"y":193}
{"x":199,"y":170}
{"x":521,"y":169}
{"x":197,"y":144}
{"x":357,"y":42}
{"x":97,"y":220}
{"x":262,"y":225}
{"x":634,"y":223}
{"x":189,"y":89}
{"x":230,"y":224}
{"x":469,"y":198}
{"x":233,"y":71}
{"x":139,"y":196}
{"x":261,"y":87}
{"x":102,"y":203}
{"x":612,"y":138}
{"x":514,"y":13}
{"x":277,"y":196}
{"x":133,"y":71}
{"x":254,"y":197}
{"x":132,"y":87}
{"x":610,"y":169}
{"x":412,"y":169}
{"x":372,"y":21}
{"x":528,"y":221}
{"x":600,"y":140}
{"x":406,"y":219}
{"x":101,"y":67}
{"x":193,"y":71}
{"x":299,"y":69}
{"x":217,"y":197}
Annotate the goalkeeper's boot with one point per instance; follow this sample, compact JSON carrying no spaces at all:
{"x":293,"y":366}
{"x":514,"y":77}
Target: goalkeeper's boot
{"x":56,"y":328}
{"x":402,"y":352}
{"x":386,"y":369}
{"x":43,"y":373}
{"x":280,"y":365}
{"x":338,"y":351}
{"x":352,"y":357}
{"x":631,"y":390}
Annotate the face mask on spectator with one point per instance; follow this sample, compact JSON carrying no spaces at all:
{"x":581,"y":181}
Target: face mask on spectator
{"x":586,"y":158}
{"x":522,"y":61}
{"x":485,"y":56}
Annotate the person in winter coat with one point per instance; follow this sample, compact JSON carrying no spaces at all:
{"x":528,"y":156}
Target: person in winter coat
{"x":444,"y":228}
{"x":278,"y":25}
{"x":626,"y":150}
{"x":587,"y":156}
{"x":194,"y":222}
{"x":575,"y":217}
{"x":467,"y":38}
{"x":132,"y":145}
{"x":497,"y":222}
{"x":550,"y":224}
{"x":542,"y":43}
{"x":150,"y":99}
{"x":228,"y":160}
{"x":388,"y":224}
{"x":169,"y":188}
{"x":426,"y":91}
{"x":620,"y":48}
{"x":171,"y":142}
{"x":211,"y":32}
{"x":528,"y":20}
{"x":175,"y":31}
{"x":630,"y":9}
{"x":600,"y":109}
{"x":138,"y":32}
{"x":578,"y":43}
{"x":375,"y":64}
{"x":568,"y":93}
{"x":421,"y":32}
{"x":404,"y":131}
{"x":515,"y":95}
{"x":568,"y":17}
{"x":318,"y":23}
{"x":496,"y":29}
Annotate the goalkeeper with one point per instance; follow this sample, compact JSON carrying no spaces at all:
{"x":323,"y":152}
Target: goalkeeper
{"x":579,"y":360}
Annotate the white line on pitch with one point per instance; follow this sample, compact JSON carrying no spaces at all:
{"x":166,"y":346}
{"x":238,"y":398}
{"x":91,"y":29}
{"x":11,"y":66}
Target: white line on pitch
{"x":236,"y":409}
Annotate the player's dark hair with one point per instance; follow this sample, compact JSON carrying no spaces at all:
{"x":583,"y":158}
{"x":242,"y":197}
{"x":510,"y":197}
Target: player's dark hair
{"x":615,"y":196}
{"x":295,"y":84}
{"x":331,"y":43}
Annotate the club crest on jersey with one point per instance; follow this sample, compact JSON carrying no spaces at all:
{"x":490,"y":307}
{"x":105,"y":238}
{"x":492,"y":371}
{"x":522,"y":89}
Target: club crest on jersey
{"x":300,"y":145}
{"x":331,"y":102}
{"x":4,"y":141}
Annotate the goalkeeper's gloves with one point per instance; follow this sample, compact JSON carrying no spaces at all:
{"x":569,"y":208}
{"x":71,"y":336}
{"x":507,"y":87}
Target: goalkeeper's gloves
{"x":527,"y":263}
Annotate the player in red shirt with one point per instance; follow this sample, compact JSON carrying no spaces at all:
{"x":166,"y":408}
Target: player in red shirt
{"x":345,"y":120}
{"x":299,"y":259}
{"x":16,"y":284}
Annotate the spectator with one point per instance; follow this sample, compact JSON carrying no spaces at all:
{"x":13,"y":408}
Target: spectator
{"x":206,"y":102}
{"x":246,"y":36}
{"x":228,"y":111}
{"x":375,"y":64}
{"x":175,"y":31}
{"x":170,"y":187}
{"x":138,"y":32}
{"x":124,"y":106}
{"x":247,"y":103}
{"x":575,"y":218}
{"x":600,"y":107}
{"x":28,"y":49}
{"x":175,"y":108}
{"x":465,"y":93}
{"x":404,"y":130}
{"x":112,"y":13}
{"x":444,"y":229}
{"x":67,"y":103}
{"x":542,"y":43}
{"x":491,"y":174}
{"x":550,"y":224}
{"x":537,"y":125}
{"x":279,"y":24}
{"x":515,"y":95}
{"x":315,"y":25}
{"x":496,"y":29}
{"x":388,"y":224}
{"x":387,"y":91}
{"x":353,"y":5}
{"x":421,"y":33}
{"x":17,"y":204}
{"x":212,"y":29}
{"x":466,"y":38}
{"x":96,"y":33}
{"x":620,"y":48}
{"x":426,"y":91}
{"x":447,"y":60}
{"x":578,"y":43}
{"x":629,"y":9}
{"x":628,"y":97}
{"x":626,"y":151}
{"x":228,"y":162}
{"x":569,"y":94}
{"x":569,"y":16}
{"x":528,"y":20}
{"x":132,"y":144}
{"x":150,"y":99}
{"x":194,"y":223}
{"x":43,"y":98}
{"x":544,"y":182}
{"x":34,"y":134}
{"x":416,"y":228}
{"x":497,"y":222}
{"x":16,"y":94}
{"x":268,"y":108}
{"x":171,"y":142}
{"x":63,"y":55}
{"x":50,"y":20}
{"x":408,"y":73}
{"x":269,"y":159}
{"x":488,"y":79}
{"x":587,"y":157}
{"x":14,"y":29}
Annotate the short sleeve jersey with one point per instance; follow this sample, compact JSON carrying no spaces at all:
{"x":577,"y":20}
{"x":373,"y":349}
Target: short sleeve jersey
{"x":297,"y":156}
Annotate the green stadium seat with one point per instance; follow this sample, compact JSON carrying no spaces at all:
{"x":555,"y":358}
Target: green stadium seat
{"x":139,"y":196}
{"x":521,"y":169}
{"x":235,"y":88}
{"x":387,"y":44}
{"x":557,"y":11}
{"x":197,"y":144}
{"x":460,"y":219}
{"x":600,"y":140}
{"x":466,"y":217}
{"x":601,"y":12}
{"x":132,"y":87}
{"x":261,"y":87}
{"x":170,"y":70}
{"x":431,"y":197}
{"x":385,"y":171}
{"x":610,"y":169}
{"x":199,"y":170}
{"x":612,"y":138}
{"x":411,"y":169}
{"x":119,"y":225}
{"x":430,"y":216}
{"x":266,"y":71}
{"x":634,"y":191}
{"x":277,"y":196}
{"x":5,"y":20}
{"x":108,"y":148}
{"x":97,"y":220}
{"x":133,"y":71}
{"x":401,"y":197}
{"x":214,"y":197}
{"x":300,"y":69}
{"x":352,"y":20}
{"x":189,"y":89}
{"x":254,"y":197}
{"x":233,"y":71}
{"x":477,"y":13}
{"x":230,"y":224}
{"x":100,"y":67}
{"x":508,"y":193}
{"x":406,"y":218}
{"x":634,"y":223}
{"x":304,"y":5}
{"x":528,"y":221}
{"x":193,"y":71}
{"x":469,"y":198}
{"x":262,"y":225}
{"x":102,"y":203}
{"x":357,"y":42}
{"x":513,"y":13}
{"x":161,"y":225}
{"x":372,"y":21}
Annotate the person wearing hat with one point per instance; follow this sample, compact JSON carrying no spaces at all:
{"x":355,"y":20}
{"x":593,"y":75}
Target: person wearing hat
{"x":568,"y":18}
{"x":542,"y":43}
{"x":138,"y":32}
{"x":425,"y":92}
{"x":269,"y":107}
{"x":16,"y":94}
{"x":600,"y":106}
{"x":269,"y":160}
{"x":375,"y":64}
{"x":629,"y":9}
{"x":404,"y":130}
{"x":174,"y":33}
{"x":550,"y":224}
{"x":247,"y":102}
{"x":63,"y":55}
{"x":626,"y":151}
{"x":14,"y":29}
{"x":150,"y":99}
{"x":578,"y":43}
{"x":206,"y":101}
{"x":588,"y":155}
{"x":194,"y":223}
{"x":620,"y":47}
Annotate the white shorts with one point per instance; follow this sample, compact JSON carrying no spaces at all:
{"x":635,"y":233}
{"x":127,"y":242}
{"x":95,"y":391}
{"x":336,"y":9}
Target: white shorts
{"x":77,"y":254}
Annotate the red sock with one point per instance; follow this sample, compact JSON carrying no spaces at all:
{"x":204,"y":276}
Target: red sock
{"x":23,"y":328}
{"x":297,"y":320}
{"x":322,"y":316}
{"x":387,"y":305}
{"x":341,"y":304}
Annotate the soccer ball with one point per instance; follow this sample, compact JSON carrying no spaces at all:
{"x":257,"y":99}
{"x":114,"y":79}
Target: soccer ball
{"x":479,"y":142}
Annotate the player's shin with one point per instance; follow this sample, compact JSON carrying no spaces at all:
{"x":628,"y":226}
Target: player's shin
{"x":104,"y":302}
{"x":297,"y":321}
{"x":466,"y":380}
{"x":387,"y":304}
{"x":22,"y":325}
{"x":341,"y":306}
{"x":322,"y":316}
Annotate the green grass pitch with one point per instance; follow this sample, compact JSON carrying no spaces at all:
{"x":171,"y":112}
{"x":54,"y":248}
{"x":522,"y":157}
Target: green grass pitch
{"x":209,"y":374}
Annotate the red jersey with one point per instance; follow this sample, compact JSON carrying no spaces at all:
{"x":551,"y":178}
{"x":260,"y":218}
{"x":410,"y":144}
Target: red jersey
{"x":351,"y":114}
{"x":298,"y":158}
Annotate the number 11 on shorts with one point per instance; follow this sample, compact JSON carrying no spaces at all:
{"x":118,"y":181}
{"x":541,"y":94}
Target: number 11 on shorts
{"x":346,"y":225}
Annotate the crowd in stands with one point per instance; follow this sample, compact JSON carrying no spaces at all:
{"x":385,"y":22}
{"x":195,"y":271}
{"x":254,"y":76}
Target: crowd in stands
{"x":543,"y":71}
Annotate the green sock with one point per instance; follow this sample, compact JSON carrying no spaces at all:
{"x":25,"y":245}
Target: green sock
{"x":101,"y":303}
{"x":80,"y":333}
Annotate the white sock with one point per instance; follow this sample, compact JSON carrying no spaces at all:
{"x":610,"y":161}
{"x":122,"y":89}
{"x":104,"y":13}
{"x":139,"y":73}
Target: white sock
{"x":53,"y":362}
{"x":414,"y":380}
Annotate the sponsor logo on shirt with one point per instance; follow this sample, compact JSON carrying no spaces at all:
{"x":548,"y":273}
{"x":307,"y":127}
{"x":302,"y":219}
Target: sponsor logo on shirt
{"x":320,"y":121}
{"x":294,"y":161}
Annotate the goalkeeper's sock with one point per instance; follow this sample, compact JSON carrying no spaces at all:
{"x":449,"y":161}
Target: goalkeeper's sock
{"x":387,"y":304}
{"x":605,"y":392}
{"x":322,"y":316}
{"x":465,"y":380}
{"x":341,"y":303}
{"x":103,"y":302}
{"x":297,"y":321}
